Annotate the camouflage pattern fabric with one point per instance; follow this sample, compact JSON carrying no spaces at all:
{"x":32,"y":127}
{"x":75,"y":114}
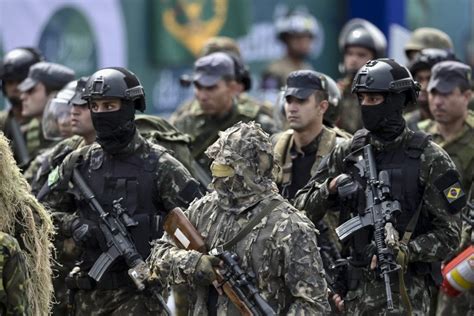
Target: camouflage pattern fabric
{"x":433,"y":246}
{"x":350,"y":117}
{"x":120,"y":302}
{"x":13,"y":296}
{"x":461,"y":150}
{"x":204,"y":129}
{"x":281,"y":250}
{"x":35,"y":141}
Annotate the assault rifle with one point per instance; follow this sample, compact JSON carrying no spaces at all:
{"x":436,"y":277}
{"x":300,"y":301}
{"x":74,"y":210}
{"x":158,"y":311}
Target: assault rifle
{"x":114,"y":227}
{"x":380,"y":210}
{"x":234,"y":282}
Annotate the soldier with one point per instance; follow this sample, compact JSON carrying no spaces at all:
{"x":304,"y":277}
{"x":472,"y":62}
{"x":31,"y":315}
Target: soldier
{"x":13,"y":297}
{"x":300,"y":149}
{"x":121,"y":167}
{"x":296,"y":31}
{"x":43,"y":82}
{"x":427,"y":37}
{"x":423,"y":179}
{"x":452,"y":127}
{"x":420,"y":69}
{"x":242,"y":170}
{"x":13,"y":70}
{"x":359,"y":42}
{"x":216,"y":89}
{"x":28,"y":222}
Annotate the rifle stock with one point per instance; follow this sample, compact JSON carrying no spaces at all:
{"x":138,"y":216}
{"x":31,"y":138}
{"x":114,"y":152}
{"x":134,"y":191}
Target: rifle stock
{"x":185,"y":236}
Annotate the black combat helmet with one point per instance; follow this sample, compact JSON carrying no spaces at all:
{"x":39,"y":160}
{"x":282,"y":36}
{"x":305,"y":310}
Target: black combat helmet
{"x":428,"y":57}
{"x":386,"y":76}
{"x":116,"y":82}
{"x":360,"y":32}
{"x":17,"y":62}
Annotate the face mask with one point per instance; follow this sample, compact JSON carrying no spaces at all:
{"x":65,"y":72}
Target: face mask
{"x":114,"y":129}
{"x":385,"y":120}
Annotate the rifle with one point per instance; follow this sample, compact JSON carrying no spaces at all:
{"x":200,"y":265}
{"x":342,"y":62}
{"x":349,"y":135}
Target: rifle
{"x":119,"y":243}
{"x":234,"y":282}
{"x":18,"y":143}
{"x":380,"y":210}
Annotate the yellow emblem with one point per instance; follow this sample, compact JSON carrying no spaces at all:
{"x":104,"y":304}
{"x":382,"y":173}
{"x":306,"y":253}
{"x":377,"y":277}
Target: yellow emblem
{"x":195,"y":31}
{"x":454,"y":192}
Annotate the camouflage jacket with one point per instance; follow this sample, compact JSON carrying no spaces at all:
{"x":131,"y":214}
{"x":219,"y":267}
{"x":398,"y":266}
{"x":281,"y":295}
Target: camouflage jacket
{"x":204,"y":129}
{"x":281,"y":250}
{"x":461,"y":151}
{"x":283,"y":143}
{"x":274,"y":76}
{"x":350,"y":117}
{"x":432,"y":246}
{"x":13,"y":296}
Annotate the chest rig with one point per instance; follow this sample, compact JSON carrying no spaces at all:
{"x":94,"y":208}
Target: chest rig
{"x":403,"y":166}
{"x":131,"y":180}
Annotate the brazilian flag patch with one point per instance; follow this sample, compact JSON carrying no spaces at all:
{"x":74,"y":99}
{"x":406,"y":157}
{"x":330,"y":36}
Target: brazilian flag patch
{"x":454,"y":192}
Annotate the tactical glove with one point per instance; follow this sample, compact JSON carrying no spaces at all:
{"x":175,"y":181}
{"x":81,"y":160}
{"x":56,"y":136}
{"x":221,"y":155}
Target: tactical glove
{"x":204,"y":274}
{"x":348,"y":191}
{"x":86,"y":233}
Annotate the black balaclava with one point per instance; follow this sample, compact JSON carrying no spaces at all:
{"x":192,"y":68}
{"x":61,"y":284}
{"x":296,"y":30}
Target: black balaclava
{"x":115,"y":129}
{"x":385,"y":120}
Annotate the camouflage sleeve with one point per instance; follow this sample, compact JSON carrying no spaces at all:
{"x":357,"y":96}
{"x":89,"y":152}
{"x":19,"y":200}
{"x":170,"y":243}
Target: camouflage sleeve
{"x":14,"y":277}
{"x":303,"y":269}
{"x":444,"y":236}
{"x":176,"y":186}
{"x":314,"y":198}
{"x":171,"y":263}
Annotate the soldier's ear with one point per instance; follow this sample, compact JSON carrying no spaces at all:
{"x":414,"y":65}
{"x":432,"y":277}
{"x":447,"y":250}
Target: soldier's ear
{"x":323,"y":106}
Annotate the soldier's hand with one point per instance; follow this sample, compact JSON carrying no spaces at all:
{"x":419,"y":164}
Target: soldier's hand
{"x":86,"y":233}
{"x":204,"y":273}
{"x":337,"y":302}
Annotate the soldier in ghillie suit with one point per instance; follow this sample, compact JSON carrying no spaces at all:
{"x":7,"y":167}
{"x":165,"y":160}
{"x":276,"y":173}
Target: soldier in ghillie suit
{"x":26,"y":220}
{"x":280,"y":249}
{"x":422,"y":178}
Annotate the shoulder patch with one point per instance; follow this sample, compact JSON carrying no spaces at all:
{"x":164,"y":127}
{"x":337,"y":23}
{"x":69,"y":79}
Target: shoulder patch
{"x":450,"y":186}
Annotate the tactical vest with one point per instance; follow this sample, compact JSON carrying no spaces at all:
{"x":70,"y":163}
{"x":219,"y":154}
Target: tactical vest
{"x":403,"y":166}
{"x":132,"y":179}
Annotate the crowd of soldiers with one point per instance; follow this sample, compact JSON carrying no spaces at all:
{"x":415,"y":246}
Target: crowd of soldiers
{"x":349,"y":197}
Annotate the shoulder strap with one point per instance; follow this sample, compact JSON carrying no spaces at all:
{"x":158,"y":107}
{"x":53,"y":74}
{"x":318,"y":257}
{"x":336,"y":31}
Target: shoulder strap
{"x":246,"y":230}
{"x":417,"y":144}
{"x":282,"y":153}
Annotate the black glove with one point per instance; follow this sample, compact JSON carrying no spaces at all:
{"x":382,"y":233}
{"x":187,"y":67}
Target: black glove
{"x":86,"y":233}
{"x":204,"y":274}
{"x":348,"y":191}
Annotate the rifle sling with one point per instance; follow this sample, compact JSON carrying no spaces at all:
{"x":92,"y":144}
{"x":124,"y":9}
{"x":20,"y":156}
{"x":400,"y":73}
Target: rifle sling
{"x":246,"y":230}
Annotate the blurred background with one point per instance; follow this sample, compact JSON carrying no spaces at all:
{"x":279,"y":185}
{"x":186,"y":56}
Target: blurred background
{"x":160,"y":39}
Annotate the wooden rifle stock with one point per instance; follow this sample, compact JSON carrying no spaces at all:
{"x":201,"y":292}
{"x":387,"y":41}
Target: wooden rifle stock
{"x":185,"y":236}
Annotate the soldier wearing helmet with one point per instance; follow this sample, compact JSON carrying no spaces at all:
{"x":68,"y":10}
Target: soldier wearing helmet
{"x":422,"y":178}
{"x":13,"y":70}
{"x":121,"y":166}
{"x":359,"y":42}
{"x":296,"y":31}
{"x":420,"y":68}
{"x":427,"y":37}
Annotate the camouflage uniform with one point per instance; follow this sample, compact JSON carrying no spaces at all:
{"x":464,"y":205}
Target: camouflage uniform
{"x":204,"y":129}
{"x":276,"y":73}
{"x":350,"y":118}
{"x":440,"y":240}
{"x":13,"y":296}
{"x":171,"y":184}
{"x":461,"y":151}
{"x":281,"y":250}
